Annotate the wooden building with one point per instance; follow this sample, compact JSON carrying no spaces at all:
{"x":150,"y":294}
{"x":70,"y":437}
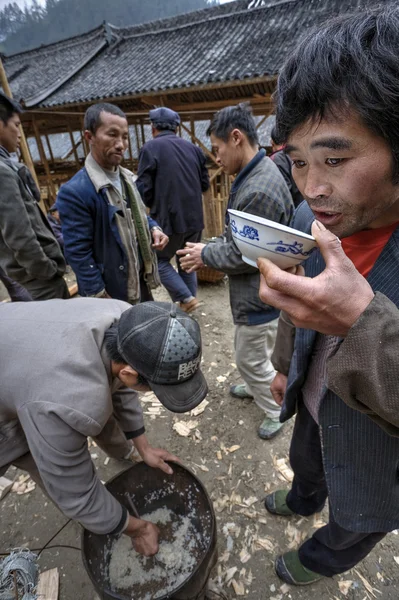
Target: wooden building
{"x":195,"y":63}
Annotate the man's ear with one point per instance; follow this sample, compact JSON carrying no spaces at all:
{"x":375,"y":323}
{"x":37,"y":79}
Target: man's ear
{"x":88,"y":136}
{"x":128,"y":371}
{"x":237,"y":137}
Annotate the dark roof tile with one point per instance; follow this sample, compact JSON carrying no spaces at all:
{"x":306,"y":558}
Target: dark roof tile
{"x":215,"y":45}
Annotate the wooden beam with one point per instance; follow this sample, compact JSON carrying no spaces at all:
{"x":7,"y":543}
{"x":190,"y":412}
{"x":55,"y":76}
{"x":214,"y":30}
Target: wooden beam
{"x":48,"y":586}
{"x":201,"y":145}
{"x":217,"y":104}
{"x":215,"y":174}
{"x":269,"y":79}
{"x":43,"y":158}
{"x":24,"y":146}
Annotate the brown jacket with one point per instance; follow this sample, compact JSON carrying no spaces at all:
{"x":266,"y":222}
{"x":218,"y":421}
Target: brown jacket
{"x":365,"y":366}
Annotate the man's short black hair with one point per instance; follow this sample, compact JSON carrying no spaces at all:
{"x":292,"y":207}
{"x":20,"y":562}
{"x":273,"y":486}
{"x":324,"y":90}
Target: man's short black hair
{"x":165,"y":126}
{"x":8,"y":108}
{"x":275,"y":136}
{"x":111,"y":345}
{"x":348,"y":64}
{"x":234,"y":117}
{"x":92,"y":120}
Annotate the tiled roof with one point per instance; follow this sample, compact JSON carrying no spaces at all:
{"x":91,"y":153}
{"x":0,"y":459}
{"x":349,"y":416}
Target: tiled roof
{"x":234,"y":41}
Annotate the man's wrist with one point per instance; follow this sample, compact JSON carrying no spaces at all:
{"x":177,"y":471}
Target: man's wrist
{"x":101,"y":294}
{"x":141,"y":443}
{"x":157,"y":227}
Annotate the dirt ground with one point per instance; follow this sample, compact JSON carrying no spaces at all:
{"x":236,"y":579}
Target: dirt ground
{"x":236,"y":479}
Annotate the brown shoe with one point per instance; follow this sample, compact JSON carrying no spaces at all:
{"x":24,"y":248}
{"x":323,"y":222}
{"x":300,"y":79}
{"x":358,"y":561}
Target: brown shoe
{"x":189,"y":307}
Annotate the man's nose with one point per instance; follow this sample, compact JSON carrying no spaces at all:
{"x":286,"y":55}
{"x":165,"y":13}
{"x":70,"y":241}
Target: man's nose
{"x":316,"y":185}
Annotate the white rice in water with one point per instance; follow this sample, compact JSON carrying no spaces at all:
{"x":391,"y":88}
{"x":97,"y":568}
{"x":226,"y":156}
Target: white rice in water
{"x":172,"y":565}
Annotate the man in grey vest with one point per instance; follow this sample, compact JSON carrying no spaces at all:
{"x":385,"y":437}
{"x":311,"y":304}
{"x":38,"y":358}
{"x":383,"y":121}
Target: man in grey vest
{"x":338,"y":368}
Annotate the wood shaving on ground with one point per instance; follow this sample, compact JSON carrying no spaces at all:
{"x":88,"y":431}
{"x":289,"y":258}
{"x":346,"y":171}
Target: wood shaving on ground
{"x":198,"y":410}
{"x":23,"y":485}
{"x":221,"y":378}
{"x":244,"y":556}
{"x":345,"y":586}
{"x":280,"y":464}
{"x":295,"y":536}
{"x":238,"y":587}
{"x":233,"y":448}
{"x":184,"y":428}
{"x":264,"y":544}
{"x":396,"y":559}
{"x":202,"y":467}
{"x":284,"y":589}
{"x":367,"y":585}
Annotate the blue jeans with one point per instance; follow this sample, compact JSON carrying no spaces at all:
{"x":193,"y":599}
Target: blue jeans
{"x":180,"y":285}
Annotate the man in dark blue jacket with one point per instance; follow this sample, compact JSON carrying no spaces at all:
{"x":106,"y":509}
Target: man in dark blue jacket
{"x":109,"y":241}
{"x":171,"y":178}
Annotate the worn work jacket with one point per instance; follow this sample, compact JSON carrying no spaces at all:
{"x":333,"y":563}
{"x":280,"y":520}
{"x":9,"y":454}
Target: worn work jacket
{"x":56,"y":390}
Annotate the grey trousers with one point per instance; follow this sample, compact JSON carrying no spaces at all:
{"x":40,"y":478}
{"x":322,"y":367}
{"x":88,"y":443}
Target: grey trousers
{"x":254,"y":346}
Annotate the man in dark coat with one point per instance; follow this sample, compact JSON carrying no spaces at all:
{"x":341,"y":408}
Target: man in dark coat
{"x":284,"y":164}
{"x":337,"y":369}
{"x":29,"y":252}
{"x":171,"y":178}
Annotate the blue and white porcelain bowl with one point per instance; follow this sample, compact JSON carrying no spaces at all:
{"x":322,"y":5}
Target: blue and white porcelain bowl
{"x":260,"y":238}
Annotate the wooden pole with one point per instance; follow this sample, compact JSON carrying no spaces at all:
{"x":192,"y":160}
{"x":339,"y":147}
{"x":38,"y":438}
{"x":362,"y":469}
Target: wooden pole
{"x":24,"y":145}
{"x":74,"y":150}
{"x":130,"y":149}
{"x":136,"y":129}
{"x":84,"y":141}
{"x":43,"y":158}
{"x":49,"y":148}
{"x":142,"y":132}
{"x":192,"y":127}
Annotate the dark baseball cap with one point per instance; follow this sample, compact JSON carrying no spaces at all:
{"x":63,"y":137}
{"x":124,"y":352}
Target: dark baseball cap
{"x":164,"y":115}
{"x":10,"y":103}
{"x":163,"y":344}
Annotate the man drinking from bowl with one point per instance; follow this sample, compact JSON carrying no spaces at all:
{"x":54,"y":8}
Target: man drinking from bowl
{"x":258,"y":189}
{"x":340,"y":372}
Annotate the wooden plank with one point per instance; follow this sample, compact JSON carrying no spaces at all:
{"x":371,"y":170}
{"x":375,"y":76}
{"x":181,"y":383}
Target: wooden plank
{"x":5,"y":486}
{"x":73,"y":289}
{"x":48,"y":586}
